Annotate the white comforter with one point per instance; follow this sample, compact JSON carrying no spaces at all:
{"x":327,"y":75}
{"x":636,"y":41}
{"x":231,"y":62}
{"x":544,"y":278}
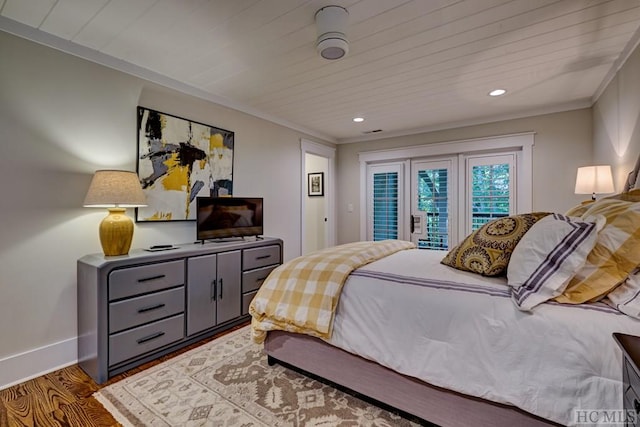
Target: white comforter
{"x":461,"y":331}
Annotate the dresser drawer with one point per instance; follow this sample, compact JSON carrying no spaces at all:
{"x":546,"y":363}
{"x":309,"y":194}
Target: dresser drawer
{"x":631,"y":406}
{"x":260,"y":257}
{"x":630,"y":377}
{"x":134,"y":342}
{"x":252,"y":280}
{"x":246,"y":301}
{"x":136,"y":311}
{"x":133,"y":281}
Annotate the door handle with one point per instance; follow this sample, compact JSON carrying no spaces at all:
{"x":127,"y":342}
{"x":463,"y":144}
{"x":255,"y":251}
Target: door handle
{"x":411,"y":221}
{"x":213,"y":290}
{"x":416,"y":224}
{"x":221,"y":288}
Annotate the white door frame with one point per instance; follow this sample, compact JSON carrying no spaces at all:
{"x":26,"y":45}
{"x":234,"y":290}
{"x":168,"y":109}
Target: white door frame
{"x":310,"y":147}
{"x":520,"y":141}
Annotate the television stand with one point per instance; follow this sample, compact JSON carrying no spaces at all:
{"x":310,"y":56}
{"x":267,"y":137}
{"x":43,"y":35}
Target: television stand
{"x":136,"y":308}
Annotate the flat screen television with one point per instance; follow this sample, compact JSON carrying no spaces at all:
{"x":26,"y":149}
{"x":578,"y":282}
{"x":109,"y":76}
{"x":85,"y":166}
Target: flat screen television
{"x":228,"y":217}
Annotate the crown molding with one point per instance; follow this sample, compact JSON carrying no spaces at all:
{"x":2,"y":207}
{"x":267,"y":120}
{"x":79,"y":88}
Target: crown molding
{"x":559,"y":108}
{"x":46,"y":39}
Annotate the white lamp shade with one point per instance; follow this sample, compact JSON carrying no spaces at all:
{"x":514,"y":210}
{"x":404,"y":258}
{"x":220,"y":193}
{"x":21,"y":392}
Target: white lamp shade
{"x":111,"y":188}
{"x":594,"y":180}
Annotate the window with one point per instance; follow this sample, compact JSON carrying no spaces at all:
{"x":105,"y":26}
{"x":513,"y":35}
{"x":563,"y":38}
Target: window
{"x":490,"y":188}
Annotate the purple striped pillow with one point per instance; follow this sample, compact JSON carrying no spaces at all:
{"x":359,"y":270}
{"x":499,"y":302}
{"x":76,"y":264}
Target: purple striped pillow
{"x":548,"y":256}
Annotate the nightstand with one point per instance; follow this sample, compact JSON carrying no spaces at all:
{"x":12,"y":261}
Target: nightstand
{"x":630,"y":346}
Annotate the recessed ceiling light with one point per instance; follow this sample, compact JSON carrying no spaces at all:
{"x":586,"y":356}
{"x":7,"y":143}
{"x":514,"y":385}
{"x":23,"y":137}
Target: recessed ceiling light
{"x":358,"y":119}
{"x":497,"y":92}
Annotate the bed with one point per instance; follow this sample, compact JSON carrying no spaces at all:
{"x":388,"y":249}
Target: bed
{"x":457,"y":348}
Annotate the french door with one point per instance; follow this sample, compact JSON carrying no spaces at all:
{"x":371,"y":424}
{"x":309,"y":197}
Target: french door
{"x":433,"y":202}
{"x":446,"y":197}
{"x":490,"y":189}
{"x":385,"y":204}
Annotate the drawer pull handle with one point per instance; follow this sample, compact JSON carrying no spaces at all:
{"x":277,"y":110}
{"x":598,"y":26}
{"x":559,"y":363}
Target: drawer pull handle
{"x":153,"y":307}
{"x":260,"y":280}
{"x":147,"y":279}
{"x":263,"y":257}
{"x":150,"y":337}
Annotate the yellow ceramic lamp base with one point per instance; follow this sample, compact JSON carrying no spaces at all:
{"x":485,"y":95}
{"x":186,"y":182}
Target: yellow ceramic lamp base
{"x":116,"y":232}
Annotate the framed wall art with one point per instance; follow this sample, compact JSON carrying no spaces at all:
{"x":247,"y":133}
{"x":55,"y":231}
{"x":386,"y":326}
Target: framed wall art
{"x":315,"y":184}
{"x":179,"y":160}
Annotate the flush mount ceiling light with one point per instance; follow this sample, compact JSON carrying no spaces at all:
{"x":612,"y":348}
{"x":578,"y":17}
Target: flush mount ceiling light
{"x":497,"y":92}
{"x":331,"y":23}
{"x":358,"y":119}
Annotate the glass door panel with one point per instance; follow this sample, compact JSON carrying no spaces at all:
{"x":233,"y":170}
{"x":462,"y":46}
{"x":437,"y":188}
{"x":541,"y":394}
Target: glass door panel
{"x":385,"y":210}
{"x":490,"y":189}
{"x":433,"y":185}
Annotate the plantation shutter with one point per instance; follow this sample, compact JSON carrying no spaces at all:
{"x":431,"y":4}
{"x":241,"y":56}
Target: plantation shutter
{"x":385,"y":183}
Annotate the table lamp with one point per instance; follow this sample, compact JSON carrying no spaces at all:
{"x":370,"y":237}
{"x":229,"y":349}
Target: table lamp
{"x":594,"y":180}
{"x":116,"y":190}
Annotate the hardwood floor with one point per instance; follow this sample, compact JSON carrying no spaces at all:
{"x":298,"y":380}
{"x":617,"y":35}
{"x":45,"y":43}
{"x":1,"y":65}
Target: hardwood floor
{"x":63,"y":398}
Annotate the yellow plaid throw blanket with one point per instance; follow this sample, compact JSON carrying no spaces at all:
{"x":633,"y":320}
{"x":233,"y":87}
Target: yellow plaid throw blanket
{"x":302,"y":294}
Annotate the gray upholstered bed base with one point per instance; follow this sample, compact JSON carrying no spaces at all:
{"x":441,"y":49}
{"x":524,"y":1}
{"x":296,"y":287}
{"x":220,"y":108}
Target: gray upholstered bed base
{"x":434,"y":404}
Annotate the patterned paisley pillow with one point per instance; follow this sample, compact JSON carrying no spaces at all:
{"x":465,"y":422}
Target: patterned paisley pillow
{"x":487,"y":250}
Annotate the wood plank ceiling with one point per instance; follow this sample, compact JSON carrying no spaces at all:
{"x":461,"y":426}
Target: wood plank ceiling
{"x":413,"y":65}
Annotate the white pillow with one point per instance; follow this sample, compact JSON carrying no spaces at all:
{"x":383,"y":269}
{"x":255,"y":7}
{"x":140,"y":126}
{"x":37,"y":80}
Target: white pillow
{"x":548,"y":256}
{"x":626,"y":297}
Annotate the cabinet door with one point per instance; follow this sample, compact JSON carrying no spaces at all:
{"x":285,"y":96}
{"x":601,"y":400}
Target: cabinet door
{"x":201,"y":293}
{"x":229,"y":285}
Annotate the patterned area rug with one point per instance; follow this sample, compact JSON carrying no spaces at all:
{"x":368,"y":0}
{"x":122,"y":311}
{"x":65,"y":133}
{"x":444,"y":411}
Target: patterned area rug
{"x":227,"y":382}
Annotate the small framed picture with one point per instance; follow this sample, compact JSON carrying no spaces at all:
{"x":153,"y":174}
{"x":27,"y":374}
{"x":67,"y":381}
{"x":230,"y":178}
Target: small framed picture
{"x":315,"y":184}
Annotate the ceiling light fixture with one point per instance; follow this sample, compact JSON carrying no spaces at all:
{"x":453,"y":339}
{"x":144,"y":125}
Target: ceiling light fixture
{"x":497,"y":92}
{"x":358,"y":119}
{"x":331,"y":24}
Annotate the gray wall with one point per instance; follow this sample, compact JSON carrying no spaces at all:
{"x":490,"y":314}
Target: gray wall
{"x":61,"y":118}
{"x":562,"y":143}
{"x":616,"y":121}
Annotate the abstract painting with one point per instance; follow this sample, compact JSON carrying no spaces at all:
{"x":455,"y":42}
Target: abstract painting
{"x":179,"y":160}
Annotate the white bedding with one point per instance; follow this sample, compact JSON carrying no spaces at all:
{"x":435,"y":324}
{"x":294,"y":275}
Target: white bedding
{"x":461,"y":331}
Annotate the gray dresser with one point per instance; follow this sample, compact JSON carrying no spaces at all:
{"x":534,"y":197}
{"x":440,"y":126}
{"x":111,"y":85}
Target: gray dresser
{"x":138,"y":307}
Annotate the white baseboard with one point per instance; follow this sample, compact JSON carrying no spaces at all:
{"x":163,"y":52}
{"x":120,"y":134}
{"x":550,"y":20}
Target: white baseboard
{"x":39,"y":361}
